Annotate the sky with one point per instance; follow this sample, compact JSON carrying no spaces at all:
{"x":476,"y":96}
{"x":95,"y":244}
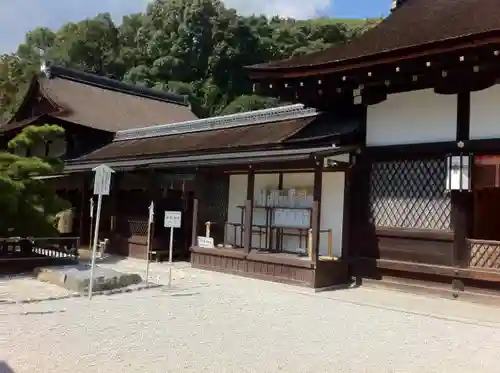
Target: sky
{"x":20,"y":16}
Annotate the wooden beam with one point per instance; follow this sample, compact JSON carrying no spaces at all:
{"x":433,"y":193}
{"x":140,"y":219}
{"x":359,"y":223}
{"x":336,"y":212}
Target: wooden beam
{"x":346,"y":215}
{"x":316,"y":210}
{"x":247,"y":243}
{"x":117,"y":179}
{"x":194,"y":227}
{"x":463,"y":116}
{"x":462,"y":203}
{"x":374,"y":60}
{"x":445,"y":72}
{"x":84,"y":205}
{"x":462,"y":211}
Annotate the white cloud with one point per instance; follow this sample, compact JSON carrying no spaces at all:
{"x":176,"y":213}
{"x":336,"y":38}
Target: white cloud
{"x":299,"y":9}
{"x":19,"y":16}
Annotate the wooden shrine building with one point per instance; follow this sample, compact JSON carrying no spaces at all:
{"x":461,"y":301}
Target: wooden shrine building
{"x":253,"y":182}
{"x":91,"y":109}
{"x":425,"y":183}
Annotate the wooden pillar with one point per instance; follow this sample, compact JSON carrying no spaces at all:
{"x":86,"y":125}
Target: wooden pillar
{"x":461,"y":215}
{"x":114,"y":202}
{"x":462,"y":203}
{"x":194,"y":228}
{"x":316,"y":210}
{"x":247,"y":241}
{"x":280,"y":181}
{"x":346,"y":215}
{"x":84,"y":210}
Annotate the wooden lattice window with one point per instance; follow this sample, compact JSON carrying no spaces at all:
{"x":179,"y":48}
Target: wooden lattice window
{"x":138,"y":227}
{"x":410,"y":194}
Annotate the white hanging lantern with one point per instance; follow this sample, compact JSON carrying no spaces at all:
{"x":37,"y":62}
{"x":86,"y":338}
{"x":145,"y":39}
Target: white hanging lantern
{"x":458,"y":172}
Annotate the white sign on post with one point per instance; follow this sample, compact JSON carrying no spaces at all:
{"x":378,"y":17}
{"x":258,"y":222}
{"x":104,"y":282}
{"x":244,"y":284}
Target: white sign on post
{"x":102,"y":184}
{"x":172,"y":220}
{"x":102,"y":180}
{"x":206,"y":242}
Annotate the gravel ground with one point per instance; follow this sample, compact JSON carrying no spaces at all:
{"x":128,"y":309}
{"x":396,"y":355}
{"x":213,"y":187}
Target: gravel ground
{"x":218,"y":323}
{"x":23,"y":287}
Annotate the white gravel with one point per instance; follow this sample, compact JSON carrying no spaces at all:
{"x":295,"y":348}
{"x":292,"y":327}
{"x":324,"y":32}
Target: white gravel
{"x":218,"y":323}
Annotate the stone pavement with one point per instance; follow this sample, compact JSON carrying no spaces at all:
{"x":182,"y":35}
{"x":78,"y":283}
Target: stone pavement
{"x":211,"y":322}
{"x":24,"y":287}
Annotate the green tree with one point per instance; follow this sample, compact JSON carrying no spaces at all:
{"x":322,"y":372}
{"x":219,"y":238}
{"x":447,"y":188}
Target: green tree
{"x":15,"y":76}
{"x":193,"y":47}
{"x":250,"y":102}
{"x":25,"y":198}
{"x":91,"y":45}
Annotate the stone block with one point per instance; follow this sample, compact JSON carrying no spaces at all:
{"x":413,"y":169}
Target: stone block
{"x":77,"y":278}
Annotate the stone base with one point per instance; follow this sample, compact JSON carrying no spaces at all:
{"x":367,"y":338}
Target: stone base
{"x":77,"y":278}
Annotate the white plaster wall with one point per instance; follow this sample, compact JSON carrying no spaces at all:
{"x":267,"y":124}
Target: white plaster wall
{"x":340,"y":157}
{"x":412,"y":118}
{"x":485,"y":114}
{"x":332,"y":207}
{"x":332,"y":211}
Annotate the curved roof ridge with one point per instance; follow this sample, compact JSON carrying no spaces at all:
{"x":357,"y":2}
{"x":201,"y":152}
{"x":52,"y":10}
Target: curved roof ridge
{"x":281,"y":113}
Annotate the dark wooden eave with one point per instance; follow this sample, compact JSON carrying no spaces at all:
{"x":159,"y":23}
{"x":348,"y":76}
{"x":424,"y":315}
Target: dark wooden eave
{"x":417,"y":29}
{"x":223,"y":139}
{"x":279,"y":158}
{"x":281,"y":139}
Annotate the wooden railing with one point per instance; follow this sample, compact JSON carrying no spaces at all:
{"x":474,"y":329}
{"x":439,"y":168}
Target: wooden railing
{"x":484,"y":254}
{"x":30,"y":247}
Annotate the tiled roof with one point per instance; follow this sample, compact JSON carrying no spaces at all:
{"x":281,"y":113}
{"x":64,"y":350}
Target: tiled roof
{"x":220,"y":139}
{"x":106,"y":104}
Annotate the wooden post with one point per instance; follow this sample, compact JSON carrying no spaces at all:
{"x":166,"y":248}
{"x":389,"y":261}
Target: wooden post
{"x":194,"y":228}
{"x":114,"y":202}
{"x":462,"y":203}
{"x":83,"y":208}
{"x":462,"y":211}
{"x":316,"y":209}
{"x":247,"y":244}
{"x":310,"y":244}
{"x":330,"y":243}
{"x":345,"y":252}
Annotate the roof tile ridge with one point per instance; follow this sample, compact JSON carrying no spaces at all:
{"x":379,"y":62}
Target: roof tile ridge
{"x":278,"y":114}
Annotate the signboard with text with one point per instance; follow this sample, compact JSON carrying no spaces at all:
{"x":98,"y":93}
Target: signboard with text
{"x":206,"y":242}
{"x":172,"y":219}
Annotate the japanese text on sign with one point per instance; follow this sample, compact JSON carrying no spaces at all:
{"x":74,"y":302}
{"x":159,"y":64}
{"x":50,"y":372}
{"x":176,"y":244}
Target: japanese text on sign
{"x":172,"y":219}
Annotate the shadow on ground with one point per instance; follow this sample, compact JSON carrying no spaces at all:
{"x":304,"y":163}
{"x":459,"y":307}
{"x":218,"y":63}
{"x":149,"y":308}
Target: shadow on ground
{"x":5,"y":368}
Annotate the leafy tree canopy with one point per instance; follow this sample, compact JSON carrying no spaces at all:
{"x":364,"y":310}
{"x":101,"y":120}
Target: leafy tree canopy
{"x":193,"y":47}
{"x":25,"y":198}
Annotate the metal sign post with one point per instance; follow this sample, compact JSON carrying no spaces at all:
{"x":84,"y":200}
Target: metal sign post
{"x":148,"y":248}
{"x":172,"y":220}
{"x":102,"y":183}
{"x":91,"y":219}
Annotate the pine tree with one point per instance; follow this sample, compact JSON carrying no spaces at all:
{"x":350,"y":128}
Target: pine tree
{"x":28,"y":204}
